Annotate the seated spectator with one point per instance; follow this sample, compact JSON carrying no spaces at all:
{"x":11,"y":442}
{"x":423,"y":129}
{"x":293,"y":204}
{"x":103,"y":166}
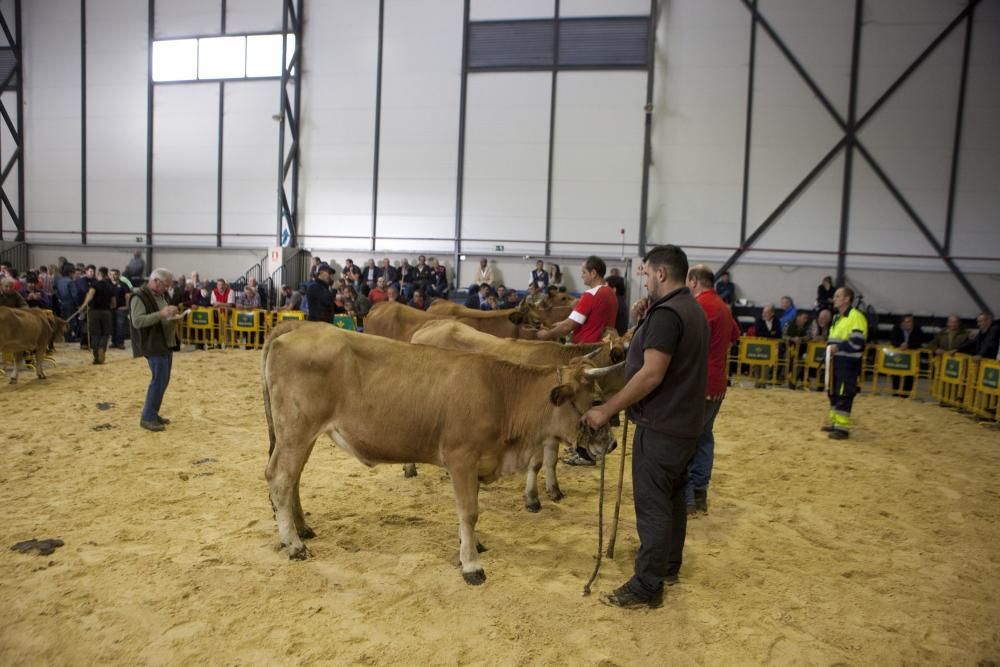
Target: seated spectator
{"x":501,"y":295}
{"x":290,"y":299}
{"x":724,"y":288}
{"x":485,"y":274}
{"x":479,"y":300}
{"x":35,"y":296}
{"x":535,"y":296}
{"x":389,"y":272}
{"x":439,"y":280}
{"x":9,"y":296}
{"x":222,"y":296}
{"x":358,"y":304}
{"x":824,"y":294}
{"x":378,"y":293}
{"x":422,"y":275}
{"x":406,"y":277}
{"x":796,"y":337}
{"x":820,"y":328}
{"x":370,"y":273}
{"x":951,"y":338}
{"x":392,"y":294}
{"x":46,"y":280}
{"x":555,"y":275}
{"x":767,"y":325}
{"x":511,"y":300}
{"x":262,"y":294}
{"x":248,"y":299}
{"x":905,"y":336}
{"x":539,"y":275}
{"x":985,"y":340}
{"x":136,"y":267}
{"x":339,"y":304}
{"x":419,"y":301}
{"x":788,"y":311}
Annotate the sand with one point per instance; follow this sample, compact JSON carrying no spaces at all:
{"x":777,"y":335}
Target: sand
{"x":879,"y":550}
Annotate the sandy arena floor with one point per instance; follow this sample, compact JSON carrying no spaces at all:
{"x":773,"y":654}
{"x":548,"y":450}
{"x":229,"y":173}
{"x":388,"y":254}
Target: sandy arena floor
{"x":881,"y":550}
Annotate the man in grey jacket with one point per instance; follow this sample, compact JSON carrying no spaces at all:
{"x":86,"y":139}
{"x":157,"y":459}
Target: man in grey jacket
{"x":153,"y":323}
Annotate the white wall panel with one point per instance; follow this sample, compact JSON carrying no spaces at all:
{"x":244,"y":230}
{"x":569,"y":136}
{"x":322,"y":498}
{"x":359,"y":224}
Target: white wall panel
{"x":569,"y":8}
{"x":338,"y":124}
{"x":51,"y":121}
{"x":185,"y":148}
{"x":420,"y":96}
{"x":698,"y":124}
{"x":491,"y":10}
{"x":184,"y":18}
{"x":506,"y":160}
{"x":977,"y":231}
{"x":117,"y":36}
{"x":263,"y":15}
{"x":250,"y":164}
{"x":597,"y":158}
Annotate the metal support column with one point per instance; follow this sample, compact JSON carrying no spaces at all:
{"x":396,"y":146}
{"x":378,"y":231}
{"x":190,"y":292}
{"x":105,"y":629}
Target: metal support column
{"x":288,"y":161}
{"x":459,"y":179}
{"x":378,"y":121}
{"x":647,"y":151}
{"x":852,"y":115}
{"x":149,"y":135}
{"x":13,"y":81}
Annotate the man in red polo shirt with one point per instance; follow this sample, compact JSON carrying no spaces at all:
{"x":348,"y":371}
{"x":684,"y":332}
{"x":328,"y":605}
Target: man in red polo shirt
{"x":594,"y":312}
{"x":723,"y":333}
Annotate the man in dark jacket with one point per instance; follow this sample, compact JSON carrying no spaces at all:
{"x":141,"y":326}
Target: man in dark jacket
{"x":667,"y":372}
{"x":987,"y":339}
{"x":318,"y":295}
{"x":153,"y":335}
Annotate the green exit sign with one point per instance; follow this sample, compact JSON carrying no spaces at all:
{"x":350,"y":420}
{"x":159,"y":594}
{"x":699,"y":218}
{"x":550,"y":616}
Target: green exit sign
{"x":499,"y":248}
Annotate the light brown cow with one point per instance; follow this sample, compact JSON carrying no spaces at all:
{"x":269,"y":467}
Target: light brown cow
{"x":521,"y":322}
{"x":453,"y":335}
{"x":400,"y":322}
{"x":30,"y":330}
{"x":479,"y":418}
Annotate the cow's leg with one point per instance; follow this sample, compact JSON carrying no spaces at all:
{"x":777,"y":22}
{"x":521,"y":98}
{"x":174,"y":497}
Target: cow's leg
{"x":13,"y":373}
{"x":531,"y":502}
{"x":409,"y":470}
{"x":551,"y":454}
{"x":303,"y":530}
{"x":284,"y":469}
{"x":39,"y":357}
{"x":466,"y":483}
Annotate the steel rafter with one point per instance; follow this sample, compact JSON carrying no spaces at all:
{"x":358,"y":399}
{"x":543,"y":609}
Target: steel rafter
{"x":289,"y":105}
{"x":851,"y":127}
{"x":14,"y":127}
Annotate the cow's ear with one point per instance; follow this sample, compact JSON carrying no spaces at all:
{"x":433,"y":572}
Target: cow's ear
{"x":561,"y":394}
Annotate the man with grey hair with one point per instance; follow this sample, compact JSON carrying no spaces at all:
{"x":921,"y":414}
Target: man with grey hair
{"x":153,"y":335}
{"x":9,"y":296}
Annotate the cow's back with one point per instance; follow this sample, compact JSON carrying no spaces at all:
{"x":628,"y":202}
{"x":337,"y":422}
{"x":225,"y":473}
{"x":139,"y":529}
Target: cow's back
{"x":396,"y":321}
{"x":456,"y":335}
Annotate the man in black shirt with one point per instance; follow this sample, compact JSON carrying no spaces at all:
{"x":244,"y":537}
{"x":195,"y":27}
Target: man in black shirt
{"x":666,"y":371}
{"x":318,"y":295}
{"x":119,"y":324}
{"x":99,"y":303}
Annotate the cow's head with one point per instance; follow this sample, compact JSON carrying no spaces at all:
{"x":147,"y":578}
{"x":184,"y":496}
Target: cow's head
{"x":578,"y":390}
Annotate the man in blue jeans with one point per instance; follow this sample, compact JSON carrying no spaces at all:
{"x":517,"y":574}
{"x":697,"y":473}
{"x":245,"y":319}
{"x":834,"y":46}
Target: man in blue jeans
{"x":153,"y":325}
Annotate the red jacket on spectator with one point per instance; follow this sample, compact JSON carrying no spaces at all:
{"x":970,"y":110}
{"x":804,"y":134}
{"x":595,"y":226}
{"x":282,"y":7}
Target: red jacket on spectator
{"x":723,"y":333}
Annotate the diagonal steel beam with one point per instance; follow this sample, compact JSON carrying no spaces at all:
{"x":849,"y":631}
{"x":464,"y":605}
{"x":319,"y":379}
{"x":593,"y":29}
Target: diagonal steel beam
{"x":915,"y":217}
{"x":957,"y":144}
{"x":786,"y":202}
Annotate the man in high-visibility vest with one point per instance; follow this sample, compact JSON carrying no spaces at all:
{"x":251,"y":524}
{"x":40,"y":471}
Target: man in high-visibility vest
{"x":847,"y":347}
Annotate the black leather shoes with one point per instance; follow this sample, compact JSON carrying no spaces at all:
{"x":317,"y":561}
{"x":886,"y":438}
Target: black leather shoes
{"x":151,"y":426}
{"x":625,"y":598}
{"x":838,"y":435}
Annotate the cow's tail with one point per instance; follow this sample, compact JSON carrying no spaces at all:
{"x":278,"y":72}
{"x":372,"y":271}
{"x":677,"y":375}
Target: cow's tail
{"x":278,"y":331}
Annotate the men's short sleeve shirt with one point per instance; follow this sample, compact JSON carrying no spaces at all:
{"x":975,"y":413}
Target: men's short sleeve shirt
{"x":104,"y":292}
{"x":594,"y":312}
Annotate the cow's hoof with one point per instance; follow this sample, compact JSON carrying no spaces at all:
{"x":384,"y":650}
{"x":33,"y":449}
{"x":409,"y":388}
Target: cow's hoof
{"x":555,"y":495}
{"x":533,"y":507}
{"x":474,"y":578}
{"x":298,"y":554}
{"x":410,"y":470}
{"x":13,"y":381}
{"x":480,"y":548}
{"x":307,"y":533}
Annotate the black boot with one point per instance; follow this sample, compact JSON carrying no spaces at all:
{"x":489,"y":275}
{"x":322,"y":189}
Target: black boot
{"x":701,"y":500}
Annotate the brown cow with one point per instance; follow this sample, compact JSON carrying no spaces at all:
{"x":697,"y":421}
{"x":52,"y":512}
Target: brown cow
{"x":28,"y":330}
{"x":521,"y":322}
{"x":479,"y":417}
{"x":453,"y":335}
{"x":400,"y":322}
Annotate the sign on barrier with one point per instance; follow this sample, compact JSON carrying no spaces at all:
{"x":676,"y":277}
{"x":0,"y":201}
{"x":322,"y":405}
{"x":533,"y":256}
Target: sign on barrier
{"x":952,"y":370}
{"x":344,"y":322}
{"x":758,"y":351}
{"x":989,"y":377}
{"x":245,"y":320}
{"x":896,"y":362}
{"x":201,"y":318}
{"x":284,"y":315}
